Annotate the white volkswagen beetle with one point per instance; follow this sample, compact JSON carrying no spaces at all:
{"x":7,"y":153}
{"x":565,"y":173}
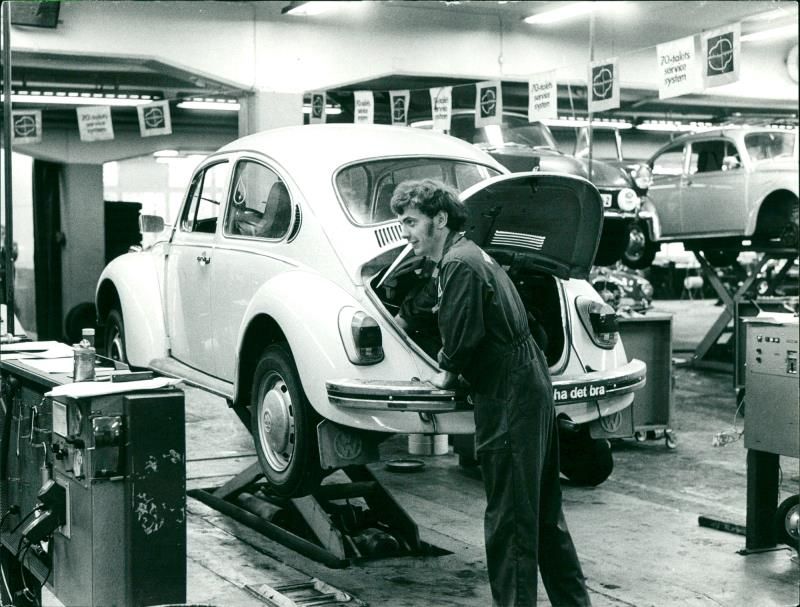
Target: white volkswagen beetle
{"x":278,"y":284}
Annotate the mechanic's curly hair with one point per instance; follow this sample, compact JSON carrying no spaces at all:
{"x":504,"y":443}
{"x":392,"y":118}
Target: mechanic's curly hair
{"x":430,"y":196}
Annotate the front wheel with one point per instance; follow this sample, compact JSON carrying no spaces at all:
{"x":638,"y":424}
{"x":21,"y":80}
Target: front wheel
{"x":639,"y":251}
{"x":584,"y":460}
{"x":283,"y":425}
{"x":115,"y":337}
{"x":787,"y":522}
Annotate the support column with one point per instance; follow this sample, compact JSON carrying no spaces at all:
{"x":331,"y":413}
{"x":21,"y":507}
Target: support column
{"x":268,"y":110}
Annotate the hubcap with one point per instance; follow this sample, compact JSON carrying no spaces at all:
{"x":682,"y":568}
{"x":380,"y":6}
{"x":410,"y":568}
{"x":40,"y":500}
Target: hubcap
{"x":276,"y":423}
{"x":636,"y":243}
{"x":792,"y":522}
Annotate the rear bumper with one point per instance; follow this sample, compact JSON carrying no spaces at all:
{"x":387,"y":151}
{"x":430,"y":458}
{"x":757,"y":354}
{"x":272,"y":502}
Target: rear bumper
{"x":421,"y":397}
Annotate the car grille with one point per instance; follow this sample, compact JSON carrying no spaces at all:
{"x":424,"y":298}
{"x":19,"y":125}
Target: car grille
{"x":388,"y":234}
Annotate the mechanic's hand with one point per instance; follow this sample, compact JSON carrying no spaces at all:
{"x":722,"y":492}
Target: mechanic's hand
{"x":401,"y":322}
{"x":444,"y":380}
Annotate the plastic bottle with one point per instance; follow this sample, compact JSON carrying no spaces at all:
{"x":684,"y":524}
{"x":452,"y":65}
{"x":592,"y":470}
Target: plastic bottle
{"x":83,"y":368}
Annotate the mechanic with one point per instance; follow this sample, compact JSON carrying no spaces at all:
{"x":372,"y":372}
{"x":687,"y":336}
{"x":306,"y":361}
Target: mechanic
{"x":486,"y":339}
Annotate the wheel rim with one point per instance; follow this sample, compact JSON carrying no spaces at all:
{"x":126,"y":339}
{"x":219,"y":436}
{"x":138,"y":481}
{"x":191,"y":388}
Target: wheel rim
{"x":115,"y":347}
{"x":636,"y":244}
{"x":276,"y":423}
{"x":792,"y":522}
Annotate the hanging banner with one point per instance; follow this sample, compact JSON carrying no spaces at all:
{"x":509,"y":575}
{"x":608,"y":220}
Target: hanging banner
{"x":441,"y":107}
{"x":488,"y":103}
{"x":603,"y":85}
{"x":542,"y":96}
{"x":721,"y":54}
{"x":400,"y":100}
{"x":94,"y":123}
{"x":318,"y":102}
{"x":364,"y":107}
{"x":27,"y":126}
{"x":678,"y":68}
{"x":154,"y":119}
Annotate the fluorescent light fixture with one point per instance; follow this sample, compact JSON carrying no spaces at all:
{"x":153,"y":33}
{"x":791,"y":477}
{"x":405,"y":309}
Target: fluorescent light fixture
{"x":597,"y":123}
{"x":572,"y":11}
{"x":220,"y":105}
{"x":771,"y":34}
{"x":305,"y":9}
{"x":785,"y":11}
{"x":166,"y":153}
{"x":330,"y":110}
{"x":673,"y":126}
{"x":51,"y":98}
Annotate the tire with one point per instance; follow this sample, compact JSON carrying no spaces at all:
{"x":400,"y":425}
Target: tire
{"x":284,"y":425}
{"x":791,"y":232}
{"x":612,"y":244}
{"x":721,"y":258}
{"x":787,"y":522}
{"x":583,"y":460}
{"x":115,"y":337}
{"x":639,"y":251}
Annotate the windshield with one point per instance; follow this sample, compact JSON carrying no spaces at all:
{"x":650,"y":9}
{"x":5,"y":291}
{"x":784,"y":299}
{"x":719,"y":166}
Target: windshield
{"x":515,"y":130}
{"x":763,"y":146}
{"x":366,"y":188}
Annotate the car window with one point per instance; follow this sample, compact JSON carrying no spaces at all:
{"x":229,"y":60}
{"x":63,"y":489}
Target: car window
{"x":259,"y":205}
{"x":762,"y":146}
{"x":206,"y":193}
{"x":707,"y":156}
{"x":669,"y":162}
{"x":366,"y":189}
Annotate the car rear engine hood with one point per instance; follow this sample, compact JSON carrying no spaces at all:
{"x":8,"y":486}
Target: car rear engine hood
{"x":553,"y":220}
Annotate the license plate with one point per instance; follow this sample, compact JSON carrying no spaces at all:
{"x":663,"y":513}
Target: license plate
{"x":606,"y":199}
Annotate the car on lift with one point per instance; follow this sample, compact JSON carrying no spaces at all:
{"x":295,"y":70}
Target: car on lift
{"x":521,"y":145}
{"x":278,"y":284}
{"x":715,"y":190}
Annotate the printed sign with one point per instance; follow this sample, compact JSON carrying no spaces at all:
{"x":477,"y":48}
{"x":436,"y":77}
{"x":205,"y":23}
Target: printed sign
{"x":678,"y":68}
{"x":488,"y":103}
{"x":154,"y":119}
{"x":400,"y":100}
{"x":318,"y":101}
{"x":721,"y":53}
{"x":441,"y":107}
{"x":94,"y":123}
{"x":603,"y":85}
{"x":542,"y":96}
{"x":364,"y":107}
{"x":27,"y":126}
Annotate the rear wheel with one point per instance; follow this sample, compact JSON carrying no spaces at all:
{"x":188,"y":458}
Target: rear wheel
{"x":115,"y":337}
{"x":584,"y":460}
{"x":787,"y":522}
{"x":283,"y":425}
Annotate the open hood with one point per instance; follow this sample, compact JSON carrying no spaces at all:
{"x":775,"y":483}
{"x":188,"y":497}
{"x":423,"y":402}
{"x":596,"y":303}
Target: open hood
{"x":553,"y":220}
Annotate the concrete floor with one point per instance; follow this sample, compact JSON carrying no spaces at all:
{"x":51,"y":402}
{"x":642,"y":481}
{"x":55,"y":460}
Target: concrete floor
{"x":637,"y":533}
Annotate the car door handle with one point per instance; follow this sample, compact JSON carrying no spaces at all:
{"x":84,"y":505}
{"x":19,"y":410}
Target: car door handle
{"x":203,"y":260}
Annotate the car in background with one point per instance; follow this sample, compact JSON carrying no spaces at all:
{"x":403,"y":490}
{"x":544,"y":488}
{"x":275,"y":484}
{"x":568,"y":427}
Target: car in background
{"x":622,"y":288}
{"x":716,"y":189}
{"x":278,"y":287}
{"x":520,"y":146}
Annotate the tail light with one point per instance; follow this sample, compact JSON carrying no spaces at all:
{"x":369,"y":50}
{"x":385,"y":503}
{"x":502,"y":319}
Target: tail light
{"x":599,"y":320}
{"x":361,"y":336}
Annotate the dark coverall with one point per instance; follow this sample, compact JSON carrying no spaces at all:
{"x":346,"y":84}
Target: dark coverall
{"x":486,"y":339}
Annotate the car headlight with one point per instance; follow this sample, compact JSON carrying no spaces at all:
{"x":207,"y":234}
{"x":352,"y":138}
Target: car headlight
{"x":627,"y":200}
{"x":361,"y":337}
{"x":642,"y":176}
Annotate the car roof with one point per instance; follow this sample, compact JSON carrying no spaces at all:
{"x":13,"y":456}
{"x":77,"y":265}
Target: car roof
{"x":326,"y":147}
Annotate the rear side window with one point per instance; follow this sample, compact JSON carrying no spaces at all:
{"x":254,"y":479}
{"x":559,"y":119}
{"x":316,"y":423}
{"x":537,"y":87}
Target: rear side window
{"x":260,"y":205}
{"x":206,"y":194}
{"x":762,"y":146}
{"x":669,"y":162}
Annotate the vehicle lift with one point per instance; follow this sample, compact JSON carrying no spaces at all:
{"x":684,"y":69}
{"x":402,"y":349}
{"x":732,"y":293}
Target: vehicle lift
{"x":340,"y":523}
{"x":730,"y":299}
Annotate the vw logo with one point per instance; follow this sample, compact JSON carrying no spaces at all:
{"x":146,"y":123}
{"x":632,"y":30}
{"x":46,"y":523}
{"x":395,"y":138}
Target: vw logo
{"x":154,"y":117}
{"x":720,"y":55}
{"x":317,"y":106}
{"x":347,"y":446}
{"x":488,"y":102}
{"x":602,"y":81}
{"x":25,"y":125}
{"x":399,"y":109}
{"x":611,"y":423}
{"x":267,"y":422}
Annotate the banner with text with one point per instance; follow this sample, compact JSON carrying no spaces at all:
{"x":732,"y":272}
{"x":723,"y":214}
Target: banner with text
{"x":318,"y":101}
{"x":364,"y":107}
{"x":542,"y":96}
{"x":154,"y":119}
{"x":94,"y":123}
{"x":721,"y":53}
{"x":678,"y":68}
{"x":400,"y":101}
{"x":27,"y":126}
{"x":603,"y":85}
{"x":488,"y":103}
{"x":441,"y":107}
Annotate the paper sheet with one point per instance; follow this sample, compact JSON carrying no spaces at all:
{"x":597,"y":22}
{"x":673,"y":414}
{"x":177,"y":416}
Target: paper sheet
{"x":90,"y":388}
